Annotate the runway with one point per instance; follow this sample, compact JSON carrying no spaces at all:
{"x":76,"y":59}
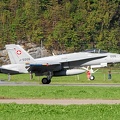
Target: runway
{"x":6,"y":83}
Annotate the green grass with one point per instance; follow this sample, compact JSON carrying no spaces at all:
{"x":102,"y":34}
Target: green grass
{"x":57,"y":92}
{"x":59,"y":112}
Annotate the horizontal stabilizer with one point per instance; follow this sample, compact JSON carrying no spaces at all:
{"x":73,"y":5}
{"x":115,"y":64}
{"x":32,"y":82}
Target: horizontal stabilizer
{"x":13,"y":69}
{"x":7,"y":71}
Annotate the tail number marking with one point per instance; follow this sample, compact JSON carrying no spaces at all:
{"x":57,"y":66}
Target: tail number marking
{"x":25,"y":59}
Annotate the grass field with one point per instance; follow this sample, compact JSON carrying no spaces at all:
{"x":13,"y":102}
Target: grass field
{"x":60,"y":92}
{"x":59,"y":112}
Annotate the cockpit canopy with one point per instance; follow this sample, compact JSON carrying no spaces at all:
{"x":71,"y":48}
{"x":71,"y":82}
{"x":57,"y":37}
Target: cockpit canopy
{"x":95,"y":51}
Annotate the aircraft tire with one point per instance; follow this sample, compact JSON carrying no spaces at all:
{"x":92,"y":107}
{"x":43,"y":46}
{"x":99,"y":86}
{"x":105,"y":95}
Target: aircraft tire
{"x":45,"y":81}
{"x":49,"y":81}
{"x":92,"y":77}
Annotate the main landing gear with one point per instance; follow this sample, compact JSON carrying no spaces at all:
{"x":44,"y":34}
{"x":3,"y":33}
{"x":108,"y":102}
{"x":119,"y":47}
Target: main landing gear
{"x":48,"y":79}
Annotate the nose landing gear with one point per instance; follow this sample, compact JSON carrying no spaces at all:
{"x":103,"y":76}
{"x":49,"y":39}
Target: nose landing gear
{"x":92,"y":77}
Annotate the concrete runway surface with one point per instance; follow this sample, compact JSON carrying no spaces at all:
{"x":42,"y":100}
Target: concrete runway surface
{"x":6,"y":83}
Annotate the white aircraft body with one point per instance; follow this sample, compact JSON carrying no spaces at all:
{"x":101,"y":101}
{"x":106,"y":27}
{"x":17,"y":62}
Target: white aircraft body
{"x":58,"y":65}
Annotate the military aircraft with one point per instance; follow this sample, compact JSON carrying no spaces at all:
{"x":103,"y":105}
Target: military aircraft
{"x":58,"y":65}
{"x":109,"y":59}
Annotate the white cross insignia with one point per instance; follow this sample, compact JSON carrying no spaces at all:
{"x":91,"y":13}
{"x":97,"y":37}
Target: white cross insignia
{"x":18,"y":52}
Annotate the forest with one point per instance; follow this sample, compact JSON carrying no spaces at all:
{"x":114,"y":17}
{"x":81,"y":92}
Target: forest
{"x":64,"y":25}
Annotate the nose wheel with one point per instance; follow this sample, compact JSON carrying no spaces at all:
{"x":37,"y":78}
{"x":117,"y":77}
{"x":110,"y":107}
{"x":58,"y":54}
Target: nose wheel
{"x":92,"y":77}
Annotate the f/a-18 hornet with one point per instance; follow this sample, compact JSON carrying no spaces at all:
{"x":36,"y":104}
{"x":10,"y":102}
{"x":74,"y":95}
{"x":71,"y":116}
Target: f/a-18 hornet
{"x":58,"y":65}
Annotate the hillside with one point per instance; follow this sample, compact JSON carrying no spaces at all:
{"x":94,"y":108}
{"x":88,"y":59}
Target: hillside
{"x":71,"y":25}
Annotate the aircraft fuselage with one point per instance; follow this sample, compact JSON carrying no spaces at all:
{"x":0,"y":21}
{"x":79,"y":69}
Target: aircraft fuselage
{"x":75,"y":59}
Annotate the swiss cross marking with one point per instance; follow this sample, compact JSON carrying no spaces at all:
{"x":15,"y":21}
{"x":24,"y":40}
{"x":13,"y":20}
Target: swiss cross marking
{"x":18,"y":52}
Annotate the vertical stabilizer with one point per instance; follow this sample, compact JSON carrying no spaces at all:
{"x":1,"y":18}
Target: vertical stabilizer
{"x":18,"y":55}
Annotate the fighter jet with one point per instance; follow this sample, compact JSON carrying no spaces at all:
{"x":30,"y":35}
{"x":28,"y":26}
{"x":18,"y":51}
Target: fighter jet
{"x":57,"y":65}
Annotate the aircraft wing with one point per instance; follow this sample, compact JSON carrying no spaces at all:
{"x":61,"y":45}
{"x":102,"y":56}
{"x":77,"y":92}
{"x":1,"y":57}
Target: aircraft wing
{"x":84,"y":58}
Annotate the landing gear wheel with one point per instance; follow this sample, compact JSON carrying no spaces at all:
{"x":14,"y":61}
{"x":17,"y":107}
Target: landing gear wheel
{"x":45,"y":81}
{"x":49,"y":81}
{"x":92,"y":77}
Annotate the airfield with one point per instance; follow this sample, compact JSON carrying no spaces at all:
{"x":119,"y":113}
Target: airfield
{"x":57,"y":101}
{"x":65,"y":98}
{"x":114,"y":83}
